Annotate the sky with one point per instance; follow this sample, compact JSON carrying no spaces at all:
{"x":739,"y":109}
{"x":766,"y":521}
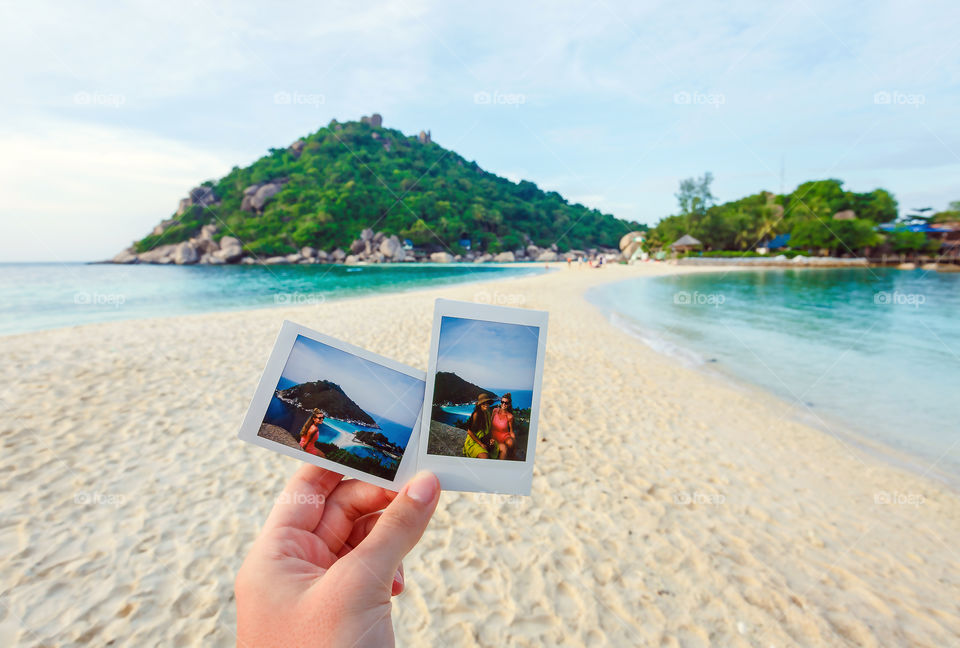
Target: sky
{"x":378,"y":390}
{"x":113,"y":111}
{"x":492,"y":355}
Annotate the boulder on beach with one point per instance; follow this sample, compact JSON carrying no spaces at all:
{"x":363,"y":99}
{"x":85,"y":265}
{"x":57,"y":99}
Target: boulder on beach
{"x":391,"y":248}
{"x":441,"y":257}
{"x":277,"y":260}
{"x":505,"y":257}
{"x":484,"y":258}
{"x":338,"y":255}
{"x":547,"y":256}
{"x":351,"y":259}
{"x":308,"y":252}
{"x":159,"y":254}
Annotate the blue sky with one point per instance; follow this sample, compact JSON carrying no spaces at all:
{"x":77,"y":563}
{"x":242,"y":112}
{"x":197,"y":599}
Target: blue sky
{"x":492,"y":355}
{"x":113,"y":111}
{"x":379,"y":391}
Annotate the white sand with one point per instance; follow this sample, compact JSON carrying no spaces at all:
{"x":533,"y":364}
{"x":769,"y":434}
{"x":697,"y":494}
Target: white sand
{"x":669,"y":508}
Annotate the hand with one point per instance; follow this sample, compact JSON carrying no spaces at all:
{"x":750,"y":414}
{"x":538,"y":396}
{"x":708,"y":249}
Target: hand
{"x":326,"y":563}
{"x":491,"y":443}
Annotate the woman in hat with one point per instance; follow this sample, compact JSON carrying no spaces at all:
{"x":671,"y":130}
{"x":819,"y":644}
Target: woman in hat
{"x":479,"y":444}
{"x":501,"y":426}
{"x":310,"y":431}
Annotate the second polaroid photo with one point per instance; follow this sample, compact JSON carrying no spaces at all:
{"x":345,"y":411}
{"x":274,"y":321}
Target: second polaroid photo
{"x":479,"y":423}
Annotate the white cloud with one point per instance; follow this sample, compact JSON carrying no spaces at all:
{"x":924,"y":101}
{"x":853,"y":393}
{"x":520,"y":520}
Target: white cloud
{"x":77,"y":191}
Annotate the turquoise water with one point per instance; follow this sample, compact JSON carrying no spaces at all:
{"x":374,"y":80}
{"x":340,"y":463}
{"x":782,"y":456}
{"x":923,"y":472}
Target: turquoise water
{"x":874,"y":351}
{"x":40,"y":295}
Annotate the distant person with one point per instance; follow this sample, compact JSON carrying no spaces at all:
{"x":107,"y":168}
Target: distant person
{"x":479,"y":444}
{"x":310,"y":431}
{"x":502,"y":426}
{"x":579,"y":262}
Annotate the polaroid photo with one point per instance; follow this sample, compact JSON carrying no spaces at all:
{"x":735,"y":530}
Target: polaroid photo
{"x":478,"y":429}
{"x":337,"y":406}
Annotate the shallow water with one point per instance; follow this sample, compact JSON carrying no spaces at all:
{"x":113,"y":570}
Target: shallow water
{"x":877,"y":350}
{"x":37,"y":296}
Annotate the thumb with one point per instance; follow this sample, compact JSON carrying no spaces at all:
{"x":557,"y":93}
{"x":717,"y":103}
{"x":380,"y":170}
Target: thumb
{"x":399,"y":528}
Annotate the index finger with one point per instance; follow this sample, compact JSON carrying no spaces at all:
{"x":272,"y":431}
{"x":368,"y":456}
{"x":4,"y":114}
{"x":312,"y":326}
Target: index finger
{"x":301,"y":503}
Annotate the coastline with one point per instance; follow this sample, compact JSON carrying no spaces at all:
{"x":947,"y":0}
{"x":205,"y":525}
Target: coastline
{"x":828,"y":423}
{"x":668,"y":507}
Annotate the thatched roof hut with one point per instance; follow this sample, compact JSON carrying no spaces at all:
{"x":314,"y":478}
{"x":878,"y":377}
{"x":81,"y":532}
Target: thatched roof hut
{"x":685,"y":243}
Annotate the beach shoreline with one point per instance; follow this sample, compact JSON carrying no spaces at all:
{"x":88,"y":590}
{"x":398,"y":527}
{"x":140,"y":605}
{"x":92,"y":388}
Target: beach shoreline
{"x":668,"y":507}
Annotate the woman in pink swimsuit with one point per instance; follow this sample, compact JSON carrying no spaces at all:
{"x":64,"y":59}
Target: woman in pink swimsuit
{"x":502,"y":426}
{"x":309,"y":433}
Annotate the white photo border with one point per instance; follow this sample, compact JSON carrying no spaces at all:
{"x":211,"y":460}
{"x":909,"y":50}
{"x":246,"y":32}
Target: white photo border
{"x":269,"y":379}
{"x":478,"y":475}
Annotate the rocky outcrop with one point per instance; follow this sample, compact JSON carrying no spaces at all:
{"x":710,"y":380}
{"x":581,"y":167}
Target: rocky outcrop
{"x":441,"y":257}
{"x":296,"y":148}
{"x":200,"y":196}
{"x":125,"y":256}
{"x":505,"y":257}
{"x":256,"y":196}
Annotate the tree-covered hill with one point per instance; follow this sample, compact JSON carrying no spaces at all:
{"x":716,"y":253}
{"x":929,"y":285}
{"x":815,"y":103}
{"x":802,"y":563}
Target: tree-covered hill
{"x":328,"y":397}
{"x":326,"y":188}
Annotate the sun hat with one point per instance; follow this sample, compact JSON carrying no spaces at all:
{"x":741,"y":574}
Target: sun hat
{"x":484,"y":398}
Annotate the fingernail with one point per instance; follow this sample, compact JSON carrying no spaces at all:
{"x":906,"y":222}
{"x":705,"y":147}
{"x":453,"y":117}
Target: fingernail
{"x":423,"y":487}
{"x":398,"y":578}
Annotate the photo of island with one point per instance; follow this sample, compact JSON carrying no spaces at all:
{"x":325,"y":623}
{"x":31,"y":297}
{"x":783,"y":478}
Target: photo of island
{"x":344,"y":408}
{"x":483,"y":389}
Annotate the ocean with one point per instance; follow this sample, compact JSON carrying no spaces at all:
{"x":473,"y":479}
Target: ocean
{"x":871,"y":351}
{"x":36,"y":296}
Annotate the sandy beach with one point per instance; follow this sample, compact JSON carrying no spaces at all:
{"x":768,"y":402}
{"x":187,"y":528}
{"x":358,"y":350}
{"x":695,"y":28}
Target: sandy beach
{"x":669,"y":507}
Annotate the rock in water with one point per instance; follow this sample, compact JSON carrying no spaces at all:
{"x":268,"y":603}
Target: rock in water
{"x":185,"y":254}
{"x":126,"y":256}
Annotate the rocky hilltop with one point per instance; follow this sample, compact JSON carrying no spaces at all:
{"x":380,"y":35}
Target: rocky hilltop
{"x":358,"y":192}
{"x":451,"y":389}
{"x":329,"y":397}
